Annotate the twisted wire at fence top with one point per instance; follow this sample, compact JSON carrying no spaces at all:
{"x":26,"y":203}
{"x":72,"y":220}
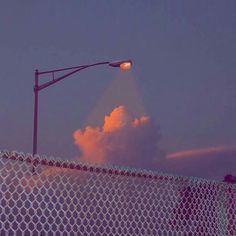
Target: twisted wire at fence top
{"x":73,"y":198}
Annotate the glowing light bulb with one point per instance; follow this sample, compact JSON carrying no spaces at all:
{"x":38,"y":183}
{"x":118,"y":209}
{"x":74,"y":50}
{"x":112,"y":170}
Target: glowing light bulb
{"x":125,"y":66}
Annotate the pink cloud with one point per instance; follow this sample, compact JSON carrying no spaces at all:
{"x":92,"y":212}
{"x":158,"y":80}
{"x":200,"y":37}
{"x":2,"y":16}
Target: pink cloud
{"x":122,"y":140}
{"x":128,"y":141}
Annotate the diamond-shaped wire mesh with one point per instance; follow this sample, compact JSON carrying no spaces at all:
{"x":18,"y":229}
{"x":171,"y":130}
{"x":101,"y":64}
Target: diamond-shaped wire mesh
{"x":73,"y":198}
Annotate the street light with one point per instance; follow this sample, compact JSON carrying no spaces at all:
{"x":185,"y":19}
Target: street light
{"x":123,"y":65}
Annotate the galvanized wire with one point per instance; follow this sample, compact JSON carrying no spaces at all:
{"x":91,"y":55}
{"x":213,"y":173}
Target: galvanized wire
{"x":74,"y":198}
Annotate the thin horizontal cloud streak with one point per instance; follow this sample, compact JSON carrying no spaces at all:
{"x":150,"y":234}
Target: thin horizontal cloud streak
{"x":211,"y":162}
{"x":210,"y":151}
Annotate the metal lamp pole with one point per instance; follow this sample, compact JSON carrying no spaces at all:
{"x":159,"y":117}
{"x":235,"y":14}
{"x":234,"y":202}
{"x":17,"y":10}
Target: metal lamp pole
{"x":124,"y":65}
{"x":35,"y":131}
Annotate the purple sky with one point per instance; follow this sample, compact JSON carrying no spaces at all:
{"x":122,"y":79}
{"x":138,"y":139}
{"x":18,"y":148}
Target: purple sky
{"x":184,"y":65}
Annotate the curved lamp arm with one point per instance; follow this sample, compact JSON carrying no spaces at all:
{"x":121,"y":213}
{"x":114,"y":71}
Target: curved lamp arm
{"x":125,"y":65}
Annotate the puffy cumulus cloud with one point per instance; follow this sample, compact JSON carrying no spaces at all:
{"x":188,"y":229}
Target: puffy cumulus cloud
{"x":123,"y":140}
{"x":211,"y":162}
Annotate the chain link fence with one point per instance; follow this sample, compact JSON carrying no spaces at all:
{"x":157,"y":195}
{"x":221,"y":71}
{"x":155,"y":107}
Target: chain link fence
{"x":59,"y":197}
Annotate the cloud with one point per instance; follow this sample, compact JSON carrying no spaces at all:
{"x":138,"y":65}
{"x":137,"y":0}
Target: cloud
{"x":123,"y":140}
{"x":210,"y":162}
{"x":202,"y":153}
{"x":128,"y":141}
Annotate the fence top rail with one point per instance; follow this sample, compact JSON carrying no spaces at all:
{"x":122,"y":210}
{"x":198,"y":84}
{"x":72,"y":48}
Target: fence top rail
{"x":101,"y":168}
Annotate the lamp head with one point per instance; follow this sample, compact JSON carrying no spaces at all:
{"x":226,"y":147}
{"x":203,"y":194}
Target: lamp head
{"x":124,"y":65}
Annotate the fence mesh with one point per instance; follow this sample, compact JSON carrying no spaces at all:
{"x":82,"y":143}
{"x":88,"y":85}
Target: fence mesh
{"x":73,"y":198}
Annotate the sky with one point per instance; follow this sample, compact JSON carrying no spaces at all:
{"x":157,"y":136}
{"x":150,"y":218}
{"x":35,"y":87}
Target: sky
{"x":182,"y":81}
